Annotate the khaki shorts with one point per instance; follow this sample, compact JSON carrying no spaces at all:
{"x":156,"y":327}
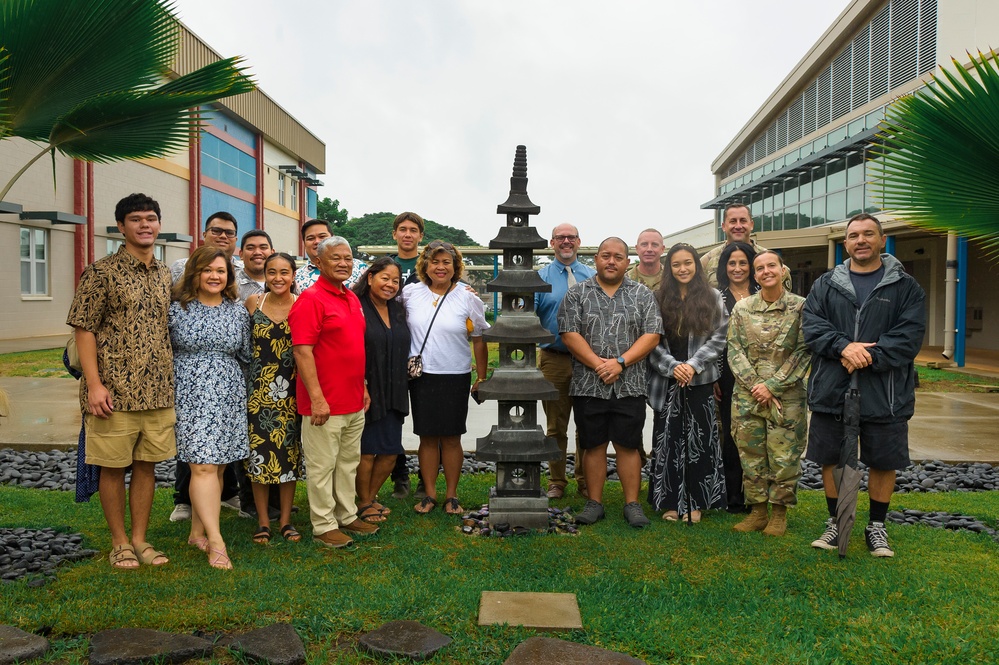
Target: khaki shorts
{"x":127,"y":436}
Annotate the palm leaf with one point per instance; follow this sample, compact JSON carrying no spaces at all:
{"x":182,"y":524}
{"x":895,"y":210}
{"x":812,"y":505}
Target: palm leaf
{"x":140,"y":124}
{"x":65,"y":52}
{"x":941,"y":145}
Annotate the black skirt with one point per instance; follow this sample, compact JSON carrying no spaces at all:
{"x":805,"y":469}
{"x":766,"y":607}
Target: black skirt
{"x":439,"y":404}
{"x":383,"y":436}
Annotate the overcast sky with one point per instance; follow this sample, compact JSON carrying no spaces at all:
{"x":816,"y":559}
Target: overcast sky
{"x":622,"y":105}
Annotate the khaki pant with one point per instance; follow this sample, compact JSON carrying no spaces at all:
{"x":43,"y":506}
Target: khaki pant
{"x":557,"y":368}
{"x":332,"y":452}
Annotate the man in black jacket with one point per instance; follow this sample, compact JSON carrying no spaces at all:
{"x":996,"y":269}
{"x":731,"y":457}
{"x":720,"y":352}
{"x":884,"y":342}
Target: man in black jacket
{"x":870,"y":290}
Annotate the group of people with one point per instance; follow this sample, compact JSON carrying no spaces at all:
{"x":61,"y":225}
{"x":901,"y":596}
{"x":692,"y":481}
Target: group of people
{"x":720,"y":348}
{"x":256,"y":374}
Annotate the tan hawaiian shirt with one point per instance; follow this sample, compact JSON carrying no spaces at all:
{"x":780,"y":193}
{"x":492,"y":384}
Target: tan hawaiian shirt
{"x":125,"y":303}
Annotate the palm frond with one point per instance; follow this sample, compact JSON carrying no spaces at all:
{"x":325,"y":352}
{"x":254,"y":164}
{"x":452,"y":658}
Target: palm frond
{"x":941,"y":147}
{"x":141,"y":124}
{"x":63,"y":53}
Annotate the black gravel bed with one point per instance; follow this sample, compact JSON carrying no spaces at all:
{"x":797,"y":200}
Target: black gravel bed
{"x":942,"y":520}
{"x":36,"y":553}
{"x":56,"y":470}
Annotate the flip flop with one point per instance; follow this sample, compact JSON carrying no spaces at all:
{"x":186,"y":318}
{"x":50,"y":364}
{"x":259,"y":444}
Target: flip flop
{"x":370,"y":518}
{"x":123,"y":554}
{"x":426,"y":505}
{"x":147,"y":555}
{"x":671,"y":516}
{"x":452,"y":507}
{"x":289,"y":533}
{"x":381,"y":508}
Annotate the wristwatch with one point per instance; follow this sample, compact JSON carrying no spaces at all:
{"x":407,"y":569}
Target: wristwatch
{"x":620,"y":360}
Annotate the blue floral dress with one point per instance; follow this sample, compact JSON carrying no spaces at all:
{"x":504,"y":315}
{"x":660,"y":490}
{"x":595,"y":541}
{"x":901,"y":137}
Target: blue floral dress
{"x":276,"y":449}
{"x":209,"y":346}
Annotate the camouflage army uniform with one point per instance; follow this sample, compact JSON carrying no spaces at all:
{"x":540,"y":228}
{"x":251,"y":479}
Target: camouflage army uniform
{"x":651,"y":282}
{"x":766,"y":344}
{"x":709,"y":261}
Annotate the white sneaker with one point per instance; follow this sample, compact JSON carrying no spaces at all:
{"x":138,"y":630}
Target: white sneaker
{"x":181,"y":512}
{"x":232,"y":503}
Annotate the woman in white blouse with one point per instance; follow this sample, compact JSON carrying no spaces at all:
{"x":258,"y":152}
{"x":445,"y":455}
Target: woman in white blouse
{"x":439,"y":398}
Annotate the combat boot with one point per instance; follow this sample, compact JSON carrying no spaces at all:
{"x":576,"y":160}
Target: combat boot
{"x":756,"y":520}
{"x":778,"y":521}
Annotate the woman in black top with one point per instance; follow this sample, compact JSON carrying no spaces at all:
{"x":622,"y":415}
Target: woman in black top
{"x":735,"y":281}
{"x":386,"y":349}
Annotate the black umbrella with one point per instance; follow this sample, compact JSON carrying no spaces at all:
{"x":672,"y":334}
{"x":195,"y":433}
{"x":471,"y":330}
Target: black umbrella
{"x":846,"y":473}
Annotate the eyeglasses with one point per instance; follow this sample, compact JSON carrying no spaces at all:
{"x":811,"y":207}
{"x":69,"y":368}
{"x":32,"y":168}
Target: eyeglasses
{"x":219,"y":231}
{"x":564,"y":238}
{"x":440,"y":244}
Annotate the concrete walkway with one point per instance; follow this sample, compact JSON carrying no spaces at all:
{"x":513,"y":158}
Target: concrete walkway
{"x":953,"y":427}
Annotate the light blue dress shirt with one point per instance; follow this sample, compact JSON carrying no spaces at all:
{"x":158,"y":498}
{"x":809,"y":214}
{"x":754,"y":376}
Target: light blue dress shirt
{"x":546,"y":304}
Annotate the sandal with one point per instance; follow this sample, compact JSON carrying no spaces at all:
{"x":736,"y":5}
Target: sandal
{"x":452,"y":507}
{"x":123,"y":554}
{"x":381,"y":508}
{"x":671,"y":516}
{"x":220,"y":560}
{"x":426,"y":505}
{"x":148,"y":555}
{"x":290,"y":534}
{"x":370,"y":518}
{"x":262,"y":536}
{"x":201,"y":543}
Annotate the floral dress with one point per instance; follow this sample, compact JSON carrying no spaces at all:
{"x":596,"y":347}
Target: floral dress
{"x":210,"y":345}
{"x":275,"y":443}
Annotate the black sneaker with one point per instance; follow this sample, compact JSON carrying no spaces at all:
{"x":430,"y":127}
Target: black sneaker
{"x":592,"y":512}
{"x":421,"y":491}
{"x":829,"y":540}
{"x":877,"y":540}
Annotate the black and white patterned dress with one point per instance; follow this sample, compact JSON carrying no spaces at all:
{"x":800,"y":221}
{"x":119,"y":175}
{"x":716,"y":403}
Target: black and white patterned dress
{"x":209,"y":346}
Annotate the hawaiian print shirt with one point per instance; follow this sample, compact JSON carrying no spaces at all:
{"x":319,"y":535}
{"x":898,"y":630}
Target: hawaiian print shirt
{"x":124,"y":303}
{"x":307,"y":275}
{"x":610,"y":325}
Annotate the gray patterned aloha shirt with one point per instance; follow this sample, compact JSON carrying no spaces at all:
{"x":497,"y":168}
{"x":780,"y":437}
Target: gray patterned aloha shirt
{"x":610,"y":326}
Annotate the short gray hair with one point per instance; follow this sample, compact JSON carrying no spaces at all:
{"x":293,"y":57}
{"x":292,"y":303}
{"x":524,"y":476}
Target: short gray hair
{"x":330,"y":243}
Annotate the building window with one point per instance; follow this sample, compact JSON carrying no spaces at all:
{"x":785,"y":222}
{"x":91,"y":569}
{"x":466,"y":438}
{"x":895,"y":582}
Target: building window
{"x":282,"y":183}
{"x":228,"y":164}
{"x":294,"y":195}
{"x":34,"y":262}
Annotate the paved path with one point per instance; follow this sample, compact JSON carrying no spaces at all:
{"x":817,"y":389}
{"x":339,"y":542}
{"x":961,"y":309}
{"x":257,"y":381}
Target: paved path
{"x":953,"y":427}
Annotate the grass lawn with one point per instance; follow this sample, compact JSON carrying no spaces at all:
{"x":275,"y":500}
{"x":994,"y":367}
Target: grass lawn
{"x":669,"y":593}
{"x":47,"y":363}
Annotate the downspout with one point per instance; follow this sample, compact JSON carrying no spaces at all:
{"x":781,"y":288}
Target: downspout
{"x":950,"y":297}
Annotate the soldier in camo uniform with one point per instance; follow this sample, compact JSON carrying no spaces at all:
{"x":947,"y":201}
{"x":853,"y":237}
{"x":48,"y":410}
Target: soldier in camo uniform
{"x":768,"y":356}
{"x":737,"y":225}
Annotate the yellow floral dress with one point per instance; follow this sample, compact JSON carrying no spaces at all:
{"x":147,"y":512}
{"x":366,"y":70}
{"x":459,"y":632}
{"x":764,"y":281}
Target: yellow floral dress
{"x":275,"y":442}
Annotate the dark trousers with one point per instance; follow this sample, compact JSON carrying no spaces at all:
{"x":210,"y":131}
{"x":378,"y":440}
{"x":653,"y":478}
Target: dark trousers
{"x":730,"y":453}
{"x":182,"y":484}
{"x":401,"y":471}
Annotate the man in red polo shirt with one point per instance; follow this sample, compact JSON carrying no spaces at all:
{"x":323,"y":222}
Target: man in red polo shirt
{"x":327,"y":330}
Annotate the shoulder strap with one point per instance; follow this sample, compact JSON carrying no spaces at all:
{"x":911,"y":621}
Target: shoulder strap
{"x":434,"y":317}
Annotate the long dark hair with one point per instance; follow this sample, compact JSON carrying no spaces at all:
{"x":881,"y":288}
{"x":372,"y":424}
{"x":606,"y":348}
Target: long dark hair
{"x":722,"y":274}
{"x":186,"y":288}
{"x":695,"y":314}
{"x":290,"y":260}
{"x":361,"y":286}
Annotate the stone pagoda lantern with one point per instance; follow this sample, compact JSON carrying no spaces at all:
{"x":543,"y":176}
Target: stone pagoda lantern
{"x":517,"y":443}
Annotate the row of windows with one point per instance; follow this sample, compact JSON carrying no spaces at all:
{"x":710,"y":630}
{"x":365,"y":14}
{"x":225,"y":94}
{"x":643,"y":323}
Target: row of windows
{"x":895,"y":47}
{"x":829,"y":192}
{"x":227,"y":163}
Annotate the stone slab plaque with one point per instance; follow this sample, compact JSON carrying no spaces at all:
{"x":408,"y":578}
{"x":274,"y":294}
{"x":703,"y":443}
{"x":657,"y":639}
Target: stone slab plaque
{"x":542,"y":611}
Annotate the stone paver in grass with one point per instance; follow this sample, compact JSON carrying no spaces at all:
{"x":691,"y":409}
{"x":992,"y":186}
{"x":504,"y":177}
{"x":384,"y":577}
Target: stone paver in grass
{"x":127,"y":646}
{"x":543,"y":611}
{"x":277,"y":644}
{"x":404,"y":638}
{"x":548,"y":650}
{"x":19,"y":646}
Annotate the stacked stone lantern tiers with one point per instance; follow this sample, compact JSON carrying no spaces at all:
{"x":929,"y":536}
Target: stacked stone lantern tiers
{"x":518,"y":443}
